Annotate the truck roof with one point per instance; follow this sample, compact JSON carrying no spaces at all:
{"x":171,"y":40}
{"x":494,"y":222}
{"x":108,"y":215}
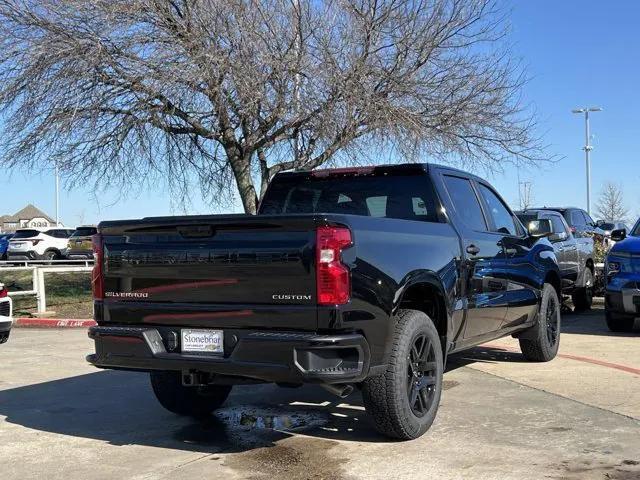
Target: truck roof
{"x":379,"y":169}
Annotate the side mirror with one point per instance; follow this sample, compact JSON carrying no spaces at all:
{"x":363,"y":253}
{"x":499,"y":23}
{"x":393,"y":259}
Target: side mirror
{"x":618,"y":235}
{"x":558,"y":237}
{"x":540,"y":228}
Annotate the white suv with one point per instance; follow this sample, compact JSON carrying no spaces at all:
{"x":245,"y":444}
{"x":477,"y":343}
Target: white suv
{"x":5,"y":314}
{"x":39,"y":244}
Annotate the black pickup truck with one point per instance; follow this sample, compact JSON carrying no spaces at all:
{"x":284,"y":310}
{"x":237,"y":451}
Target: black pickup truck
{"x":364,"y":277}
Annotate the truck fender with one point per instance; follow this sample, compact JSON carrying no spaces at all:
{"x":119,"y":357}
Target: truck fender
{"x":434,"y":282}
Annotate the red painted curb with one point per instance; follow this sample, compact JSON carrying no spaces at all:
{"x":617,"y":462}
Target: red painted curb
{"x":53,"y":322}
{"x":577,"y":358}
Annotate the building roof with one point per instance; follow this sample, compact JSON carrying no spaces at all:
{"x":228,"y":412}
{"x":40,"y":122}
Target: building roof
{"x":27,"y":213}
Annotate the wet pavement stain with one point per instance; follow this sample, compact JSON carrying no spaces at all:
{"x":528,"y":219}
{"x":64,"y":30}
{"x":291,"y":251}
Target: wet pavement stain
{"x":294,"y":458}
{"x":447,"y":384}
{"x":261,"y":442}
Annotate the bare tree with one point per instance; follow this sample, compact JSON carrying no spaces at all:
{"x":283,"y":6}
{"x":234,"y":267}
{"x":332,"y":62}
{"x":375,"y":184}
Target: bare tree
{"x":525,"y":195}
{"x":212,"y":93}
{"x":611,"y":206}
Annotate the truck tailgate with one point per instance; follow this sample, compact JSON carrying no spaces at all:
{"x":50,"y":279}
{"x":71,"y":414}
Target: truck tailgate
{"x":231,"y":270}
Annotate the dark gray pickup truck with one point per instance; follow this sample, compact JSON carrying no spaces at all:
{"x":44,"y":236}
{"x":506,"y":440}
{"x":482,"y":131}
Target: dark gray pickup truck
{"x":574,"y":253}
{"x":362,"y":278}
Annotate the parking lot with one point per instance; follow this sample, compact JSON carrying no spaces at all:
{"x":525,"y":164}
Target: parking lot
{"x":577,"y":417}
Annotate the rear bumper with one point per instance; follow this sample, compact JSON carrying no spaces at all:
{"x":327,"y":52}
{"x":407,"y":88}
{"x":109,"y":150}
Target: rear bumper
{"x":270,"y":356}
{"x":80,"y":254}
{"x":24,"y":255}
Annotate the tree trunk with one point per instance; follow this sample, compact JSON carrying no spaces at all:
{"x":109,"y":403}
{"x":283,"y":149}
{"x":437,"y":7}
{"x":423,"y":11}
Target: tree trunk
{"x":242,"y":171}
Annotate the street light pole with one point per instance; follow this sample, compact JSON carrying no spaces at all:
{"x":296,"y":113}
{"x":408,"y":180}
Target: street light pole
{"x":587,"y":148}
{"x":57,"y":196}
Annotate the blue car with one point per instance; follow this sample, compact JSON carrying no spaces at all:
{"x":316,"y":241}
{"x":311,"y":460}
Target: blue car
{"x":622,"y":297}
{"x":4,"y":244}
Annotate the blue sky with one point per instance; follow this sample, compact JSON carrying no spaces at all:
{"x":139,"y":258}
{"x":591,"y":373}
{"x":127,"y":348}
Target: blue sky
{"x":577,"y":52}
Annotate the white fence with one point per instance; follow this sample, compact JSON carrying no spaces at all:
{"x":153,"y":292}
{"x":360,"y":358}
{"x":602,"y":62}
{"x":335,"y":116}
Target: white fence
{"x":38,"y":269}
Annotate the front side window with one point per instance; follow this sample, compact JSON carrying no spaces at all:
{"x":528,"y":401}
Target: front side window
{"x":465,"y":202}
{"x":502,"y":219}
{"x":588,"y":220}
{"x":577,"y":219}
{"x":557,"y":224}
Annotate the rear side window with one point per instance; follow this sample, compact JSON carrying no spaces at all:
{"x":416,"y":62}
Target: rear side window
{"x":26,"y":234}
{"x":465,"y":202}
{"x":55,"y":233}
{"x":503,"y":221}
{"x":407,"y":197}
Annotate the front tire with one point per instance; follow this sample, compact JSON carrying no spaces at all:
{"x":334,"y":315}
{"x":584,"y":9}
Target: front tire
{"x":541,"y":342}
{"x":187,"y":401}
{"x":583,"y":297}
{"x":619,"y":323}
{"x":404,"y":400}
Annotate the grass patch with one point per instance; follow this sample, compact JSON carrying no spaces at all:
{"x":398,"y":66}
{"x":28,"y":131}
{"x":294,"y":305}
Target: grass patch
{"x":68,"y":294}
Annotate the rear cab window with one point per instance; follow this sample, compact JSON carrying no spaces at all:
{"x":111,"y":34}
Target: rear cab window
{"x":401,"y":195}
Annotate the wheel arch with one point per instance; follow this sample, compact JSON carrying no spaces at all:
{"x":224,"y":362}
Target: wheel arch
{"x":425,"y":292}
{"x":552,"y":277}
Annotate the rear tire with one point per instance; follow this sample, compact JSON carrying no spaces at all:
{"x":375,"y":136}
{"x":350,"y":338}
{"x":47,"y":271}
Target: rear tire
{"x":404,"y":400}
{"x":188,"y":401}
{"x":51,"y":255}
{"x":619,"y":323}
{"x":583,"y":297}
{"x":541,"y":342}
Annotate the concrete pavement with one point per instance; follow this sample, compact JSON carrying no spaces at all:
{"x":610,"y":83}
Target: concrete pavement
{"x":500,"y":418}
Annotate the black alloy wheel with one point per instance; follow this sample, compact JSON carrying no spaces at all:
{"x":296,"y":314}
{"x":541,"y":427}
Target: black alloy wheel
{"x":552,"y":321}
{"x":421,"y":375}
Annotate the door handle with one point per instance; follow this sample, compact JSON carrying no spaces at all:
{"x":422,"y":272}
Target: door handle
{"x":473,"y":250}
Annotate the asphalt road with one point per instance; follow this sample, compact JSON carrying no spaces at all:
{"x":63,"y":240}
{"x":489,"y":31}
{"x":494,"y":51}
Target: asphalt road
{"x":577,"y":417}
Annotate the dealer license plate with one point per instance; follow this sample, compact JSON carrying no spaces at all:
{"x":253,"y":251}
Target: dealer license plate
{"x":203,"y":341}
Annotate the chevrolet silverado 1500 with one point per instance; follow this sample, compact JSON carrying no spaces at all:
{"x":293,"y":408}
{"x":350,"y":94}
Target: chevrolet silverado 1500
{"x":348,"y":278}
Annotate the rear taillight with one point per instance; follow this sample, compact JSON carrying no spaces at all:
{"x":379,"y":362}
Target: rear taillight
{"x":97,"y":277}
{"x":332,"y":276}
{"x":3,"y":292}
{"x":573,"y":229}
{"x":35,"y":242}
